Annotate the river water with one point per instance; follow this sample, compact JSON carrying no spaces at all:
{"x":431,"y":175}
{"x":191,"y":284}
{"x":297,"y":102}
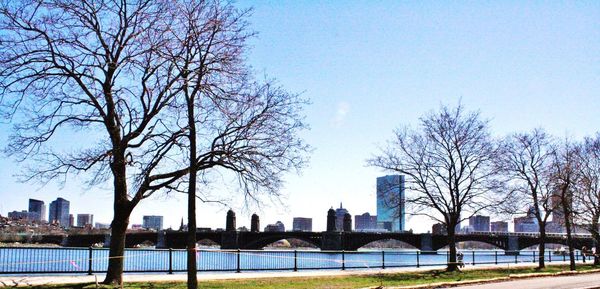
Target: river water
{"x":77,"y":260}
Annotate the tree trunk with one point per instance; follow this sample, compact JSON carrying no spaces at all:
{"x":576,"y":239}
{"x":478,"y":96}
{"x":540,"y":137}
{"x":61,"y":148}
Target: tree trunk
{"x":114,"y":274}
{"x":452,"y":264}
{"x":192,"y":279}
{"x":596,"y":237}
{"x":567,"y":214}
{"x":597,"y":253}
{"x":542,"y":246}
{"x":122,"y":211}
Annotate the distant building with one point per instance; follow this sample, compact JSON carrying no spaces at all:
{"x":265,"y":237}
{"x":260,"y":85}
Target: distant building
{"x":339,"y":218}
{"x":479,"y":223}
{"x":71,"y":220}
{"x":152,"y":222}
{"x":439,"y":229}
{"x":37,"y":210}
{"x":277,"y":227}
{"x":365,"y":222}
{"x":499,"y":226}
{"x":136,"y":226}
{"x":526,"y":225}
{"x":85,"y":219}
{"x":22,"y":215}
{"x":302,"y":224}
{"x":59,"y":212}
{"x":102,"y":226}
{"x":555,"y":227}
{"x":390,"y":203}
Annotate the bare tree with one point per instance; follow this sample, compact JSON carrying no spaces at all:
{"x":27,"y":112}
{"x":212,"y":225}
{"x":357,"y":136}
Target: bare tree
{"x":526,"y":158}
{"x":91,"y":70}
{"x":234,"y":124}
{"x":587,"y":197}
{"x":449,"y":165}
{"x":565,"y":173}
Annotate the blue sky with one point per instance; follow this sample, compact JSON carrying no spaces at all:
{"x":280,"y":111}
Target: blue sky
{"x":370,"y":67}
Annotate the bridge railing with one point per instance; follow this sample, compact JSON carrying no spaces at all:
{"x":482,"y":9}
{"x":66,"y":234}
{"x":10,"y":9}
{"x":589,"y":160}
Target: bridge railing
{"x":525,"y":234}
{"x":20,"y":260}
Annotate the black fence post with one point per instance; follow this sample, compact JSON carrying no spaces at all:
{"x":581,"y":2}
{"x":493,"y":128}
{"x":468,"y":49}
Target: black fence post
{"x":343,"y":260}
{"x":496,"y":257}
{"x":533,"y":256}
{"x":418,"y":259}
{"x":382,"y":259}
{"x":295,"y":260}
{"x":473,"y":257}
{"x":170,"y":261}
{"x":238,"y":262}
{"x":90,"y":255}
{"x":549,"y":256}
{"x":516,"y":257}
{"x":564,"y":257}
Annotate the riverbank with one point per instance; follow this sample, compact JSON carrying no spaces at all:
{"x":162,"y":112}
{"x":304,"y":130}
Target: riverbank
{"x":299,"y":280}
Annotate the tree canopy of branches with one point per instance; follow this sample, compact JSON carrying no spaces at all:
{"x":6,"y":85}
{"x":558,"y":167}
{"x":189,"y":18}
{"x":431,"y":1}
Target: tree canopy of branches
{"x":245,"y":127}
{"x":448,"y":162}
{"x":84,"y":67}
{"x":565,"y":175}
{"x":526,"y":159}
{"x":587,"y":196}
{"x":116,"y":72}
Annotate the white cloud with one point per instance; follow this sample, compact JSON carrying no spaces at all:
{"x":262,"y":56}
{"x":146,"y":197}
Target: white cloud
{"x":342,"y":110}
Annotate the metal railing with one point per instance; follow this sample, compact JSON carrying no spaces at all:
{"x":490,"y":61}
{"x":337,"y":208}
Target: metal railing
{"x":21,"y":260}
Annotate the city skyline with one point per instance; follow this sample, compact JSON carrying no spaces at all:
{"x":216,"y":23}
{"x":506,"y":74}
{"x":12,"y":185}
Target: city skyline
{"x":368,"y":71}
{"x":156,"y":221}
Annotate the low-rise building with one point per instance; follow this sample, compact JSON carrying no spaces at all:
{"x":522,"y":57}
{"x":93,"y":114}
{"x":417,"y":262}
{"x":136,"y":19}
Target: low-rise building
{"x":365,"y":222}
{"x":302,"y":224}
{"x":499,"y":226}
{"x":277,"y":227}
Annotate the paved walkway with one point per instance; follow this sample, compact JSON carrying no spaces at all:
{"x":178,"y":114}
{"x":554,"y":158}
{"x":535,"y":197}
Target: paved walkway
{"x":72,"y":279}
{"x":580,"y":281}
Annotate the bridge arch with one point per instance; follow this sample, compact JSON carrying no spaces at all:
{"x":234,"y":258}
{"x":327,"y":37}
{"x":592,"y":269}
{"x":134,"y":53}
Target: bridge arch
{"x":464,"y":245}
{"x":499,"y":241}
{"x":356,"y":240}
{"x":136,"y":239}
{"x":402,"y":243}
{"x":263,"y":241}
{"x":578,"y":243}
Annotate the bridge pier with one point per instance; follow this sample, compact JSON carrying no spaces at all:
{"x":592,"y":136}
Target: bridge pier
{"x":230,"y":240}
{"x":332,"y":241}
{"x":426,"y":242}
{"x":513,"y":245}
{"x":106,"y":241}
{"x":160,"y":240}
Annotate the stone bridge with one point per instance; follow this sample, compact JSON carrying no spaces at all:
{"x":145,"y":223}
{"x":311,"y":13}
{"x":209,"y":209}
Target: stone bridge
{"x":349,"y":241}
{"x":331,"y":239}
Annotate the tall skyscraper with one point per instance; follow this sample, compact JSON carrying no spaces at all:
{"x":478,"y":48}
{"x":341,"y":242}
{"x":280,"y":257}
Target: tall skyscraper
{"x":59,"y":212}
{"x":152,"y":222}
{"x":390,"y":202}
{"x":85,"y":219}
{"x":302,"y":224}
{"x":479,"y":223}
{"x":365,"y":222}
{"x":339,"y":218}
{"x":37,"y":210}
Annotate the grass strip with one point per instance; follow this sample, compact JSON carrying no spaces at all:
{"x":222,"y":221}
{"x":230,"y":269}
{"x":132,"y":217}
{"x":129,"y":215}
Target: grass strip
{"x":343,"y":282}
